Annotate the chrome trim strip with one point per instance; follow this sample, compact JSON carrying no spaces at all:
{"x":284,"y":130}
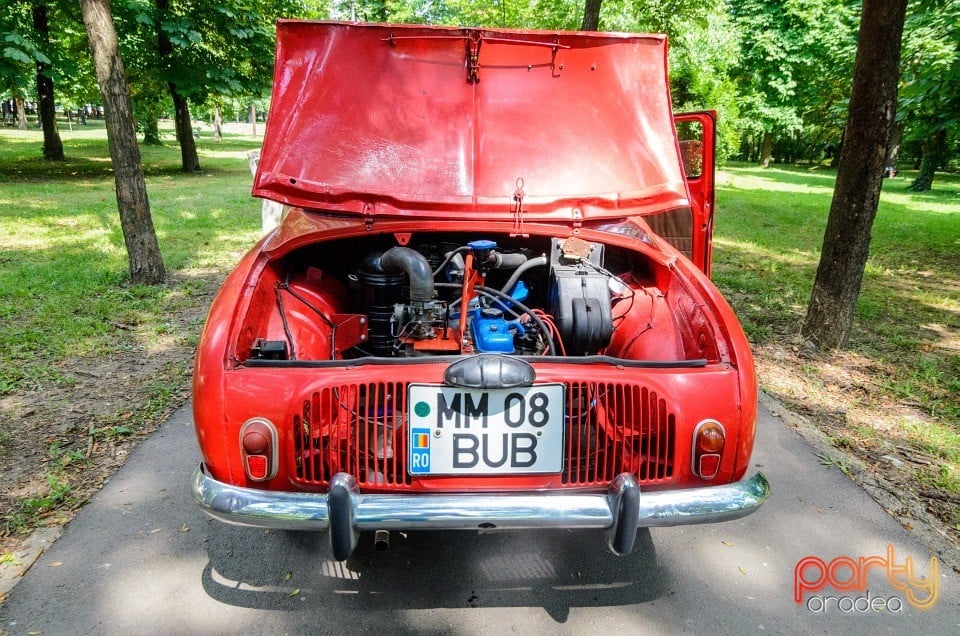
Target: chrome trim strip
{"x":470,"y":511}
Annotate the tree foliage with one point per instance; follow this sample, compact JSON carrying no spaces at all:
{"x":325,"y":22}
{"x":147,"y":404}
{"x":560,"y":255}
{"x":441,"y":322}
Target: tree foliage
{"x":19,"y":53}
{"x":776,"y":71}
{"x":930,"y":95}
{"x":794,"y":73}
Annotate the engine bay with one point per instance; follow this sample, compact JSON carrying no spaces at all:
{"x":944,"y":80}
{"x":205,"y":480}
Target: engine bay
{"x":457,"y":294}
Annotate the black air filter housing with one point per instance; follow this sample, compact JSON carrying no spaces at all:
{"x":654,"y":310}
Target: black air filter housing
{"x":580,"y":296}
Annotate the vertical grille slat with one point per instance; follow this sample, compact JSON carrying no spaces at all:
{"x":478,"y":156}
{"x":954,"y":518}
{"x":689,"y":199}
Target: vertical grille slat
{"x":360,"y":429}
{"x":650,"y":400}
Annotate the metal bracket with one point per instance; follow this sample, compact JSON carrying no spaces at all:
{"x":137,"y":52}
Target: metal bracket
{"x":367,"y":217}
{"x":518,"y":195}
{"x":340,"y":511}
{"x":625,"y":506}
{"x":577,"y":216}
{"x":349,"y":330}
{"x":473,"y":58}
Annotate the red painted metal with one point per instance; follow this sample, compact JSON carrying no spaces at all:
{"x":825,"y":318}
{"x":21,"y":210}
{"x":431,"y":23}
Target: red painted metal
{"x":350,"y":330}
{"x":610,"y":428}
{"x":701,"y":188}
{"x":380,"y":120}
{"x":386,"y":135}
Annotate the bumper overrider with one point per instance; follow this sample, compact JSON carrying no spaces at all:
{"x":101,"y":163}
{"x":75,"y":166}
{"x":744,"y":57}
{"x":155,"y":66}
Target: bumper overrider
{"x":345,"y":511}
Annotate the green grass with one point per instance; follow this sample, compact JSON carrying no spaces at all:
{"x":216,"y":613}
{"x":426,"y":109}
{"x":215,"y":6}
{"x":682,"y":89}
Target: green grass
{"x":63,"y":267}
{"x":769,"y":231}
{"x":28,"y":512}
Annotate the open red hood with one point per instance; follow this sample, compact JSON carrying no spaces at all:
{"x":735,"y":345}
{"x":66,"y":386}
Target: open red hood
{"x":436,"y":121}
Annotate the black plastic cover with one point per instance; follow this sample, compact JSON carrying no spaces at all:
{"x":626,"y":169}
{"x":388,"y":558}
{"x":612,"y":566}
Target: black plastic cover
{"x":580,"y":297}
{"x":270,"y":350}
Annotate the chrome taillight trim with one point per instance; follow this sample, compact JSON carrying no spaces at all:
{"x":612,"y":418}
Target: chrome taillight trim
{"x":694,"y":464}
{"x":274,"y":447}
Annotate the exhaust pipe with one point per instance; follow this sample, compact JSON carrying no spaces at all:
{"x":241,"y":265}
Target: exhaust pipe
{"x":381,"y":540}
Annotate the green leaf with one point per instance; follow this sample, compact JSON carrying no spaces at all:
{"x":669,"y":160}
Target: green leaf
{"x":16,"y":55}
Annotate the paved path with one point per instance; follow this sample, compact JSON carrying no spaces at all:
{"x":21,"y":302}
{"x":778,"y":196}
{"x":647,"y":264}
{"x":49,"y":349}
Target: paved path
{"x":142,"y":559}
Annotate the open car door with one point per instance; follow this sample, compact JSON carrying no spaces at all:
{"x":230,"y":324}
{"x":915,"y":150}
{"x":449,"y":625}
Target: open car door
{"x":696,"y":133}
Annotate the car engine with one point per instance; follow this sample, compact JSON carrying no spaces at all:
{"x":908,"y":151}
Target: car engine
{"x":443,"y":298}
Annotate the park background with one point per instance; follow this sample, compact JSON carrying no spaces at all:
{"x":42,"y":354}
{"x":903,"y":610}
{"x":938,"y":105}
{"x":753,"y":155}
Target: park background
{"x":90,"y":363}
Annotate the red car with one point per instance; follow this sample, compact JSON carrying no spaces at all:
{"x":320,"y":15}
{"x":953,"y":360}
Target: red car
{"x":489,"y":304}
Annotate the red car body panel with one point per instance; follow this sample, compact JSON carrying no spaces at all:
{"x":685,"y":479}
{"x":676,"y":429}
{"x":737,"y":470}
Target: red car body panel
{"x":515,"y":200}
{"x":404,"y":133}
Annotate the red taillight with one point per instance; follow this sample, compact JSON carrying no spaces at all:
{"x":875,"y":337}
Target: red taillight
{"x":708,"y":440}
{"x":709,"y":466}
{"x":257,"y":467}
{"x":255,"y":442}
{"x":258,"y":447}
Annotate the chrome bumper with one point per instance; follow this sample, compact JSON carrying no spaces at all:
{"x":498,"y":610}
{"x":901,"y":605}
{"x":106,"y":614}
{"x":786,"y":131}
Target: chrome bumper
{"x":345,"y":511}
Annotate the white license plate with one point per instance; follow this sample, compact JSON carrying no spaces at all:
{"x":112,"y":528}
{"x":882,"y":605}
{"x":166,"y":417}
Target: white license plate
{"x":455,"y":431}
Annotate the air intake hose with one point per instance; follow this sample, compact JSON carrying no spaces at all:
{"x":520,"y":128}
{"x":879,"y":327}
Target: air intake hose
{"x":416,"y":267}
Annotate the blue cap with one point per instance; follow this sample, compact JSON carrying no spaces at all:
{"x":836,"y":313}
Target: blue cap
{"x":482,"y":244}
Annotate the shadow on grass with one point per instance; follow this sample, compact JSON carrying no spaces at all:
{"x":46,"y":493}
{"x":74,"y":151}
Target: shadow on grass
{"x":66,"y":300}
{"x":796,"y":175}
{"x":64,"y":287}
{"x":766,"y":253}
{"x":946,"y":186}
{"x":86,"y":159}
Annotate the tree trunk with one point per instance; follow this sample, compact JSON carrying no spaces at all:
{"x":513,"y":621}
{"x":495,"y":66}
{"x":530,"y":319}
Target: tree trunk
{"x":217,"y":124}
{"x":835,"y":156}
{"x":183,"y":125}
{"x":21,"y":113}
{"x":52,"y":145}
{"x":893,"y":146}
{"x":846,"y":242}
{"x":591,"y":15}
{"x":146,"y":264}
{"x":766,"y":149}
{"x":189,"y":160}
{"x":253,"y":118}
{"x":151,"y":131}
{"x":751,"y":149}
{"x":933,"y":157}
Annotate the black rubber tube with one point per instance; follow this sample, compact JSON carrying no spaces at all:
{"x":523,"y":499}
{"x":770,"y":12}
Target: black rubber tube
{"x":413,"y":263}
